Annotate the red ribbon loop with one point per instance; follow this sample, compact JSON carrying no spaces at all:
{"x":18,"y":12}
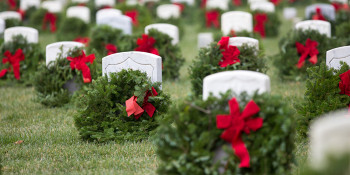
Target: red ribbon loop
{"x":14,"y":61}
{"x":51,"y":18}
{"x":146,"y":44}
{"x":310,"y":49}
{"x":318,"y":15}
{"x":235,"y":123}
{"x":133,"y":14}
{"x":133,"y":108}
{"x":83,"y":40}
{"x":344,"y":84}
{"x":261,"y":19}
{"x":79,"y":63}
{"x":111,"y":49}
{"x":212,"y":18}
{"x":229,"y":53}
{"x":237,"y":2}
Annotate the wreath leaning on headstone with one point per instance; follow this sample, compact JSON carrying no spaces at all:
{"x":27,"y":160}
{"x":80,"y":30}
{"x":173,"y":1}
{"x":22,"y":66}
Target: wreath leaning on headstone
{"x":127,"y":106}
{"x":43,"y":20}
{"x":190,"y":141}
{"x":56,"y":82}
{"x":327,"y":89}
{"x":221,"y":57}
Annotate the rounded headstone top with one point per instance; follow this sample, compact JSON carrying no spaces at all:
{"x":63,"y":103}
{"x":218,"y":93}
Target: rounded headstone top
{"x":324,"y":27}
{"x":263,"y":6}
{"x":239,"y":41}
{"x":31,"y":34}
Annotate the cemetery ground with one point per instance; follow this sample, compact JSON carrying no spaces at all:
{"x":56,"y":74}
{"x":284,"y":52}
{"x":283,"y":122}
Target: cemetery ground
{"x":51,"y":143}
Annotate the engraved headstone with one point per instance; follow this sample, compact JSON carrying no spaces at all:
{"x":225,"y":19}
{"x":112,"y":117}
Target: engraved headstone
{"x":337,"y":55}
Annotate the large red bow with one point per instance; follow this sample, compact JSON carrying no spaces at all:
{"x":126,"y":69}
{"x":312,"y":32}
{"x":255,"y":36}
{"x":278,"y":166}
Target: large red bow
{"x":79,"y":63}
{"x":344,"y":84}
{"x":133,"y":108}
{"x":235,"y":123}
{"x":310,"y":49}
{"x":212,"y":17}
{"x":261,"y":19}
{"x":12,"y":4}
{"x":318,"y":15}
{"x":275,"y":2}
{"x":237,"y":2}
{"x":146,"y":44}
{"x":133,"y":14}
{"x":229,"y":53}
{"x":14,"y":60}
{"x":111,"y":49}
{"x":51,"y":18}
{"x":83,"y":40}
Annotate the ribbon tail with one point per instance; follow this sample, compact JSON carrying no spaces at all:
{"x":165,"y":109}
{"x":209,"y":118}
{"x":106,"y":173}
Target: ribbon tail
{"x":16,"y":72}
{"x":86,"y":74}
{"x":149,"y":108}
{"x":242,"y":152}
{"x":302,"y":60}
{"x":3,"y":73}
{"x":313,"y":59}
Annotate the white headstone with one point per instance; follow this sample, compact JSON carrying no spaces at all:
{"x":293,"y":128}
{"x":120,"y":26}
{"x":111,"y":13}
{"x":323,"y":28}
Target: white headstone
{"x":329,"y":136}
{"x":237,"y":21}
{"x":327,"y":10}
{"x":337,"y":55}
{"x":121,"y":22}
{"x":142,"y":2}
{"x":145,"y":62}
{"x":10,"y":15}
{"x":29,"y":33}
{"x":324,"y":27}
{"x":340,"y":1}
{"x":106,"y":14}
{"x":101,"y":3}
{"x":2,"y":26}
{"x":80,"y":12}
{"x":188,"y":2}
{"x":254,"y":1}
{"x":54,"y":49}
{"x":132,"y":2}
{"x":167,"y":11}
{"x":263,"y":6}
{"x":289,"y":12}
{"x":204,"y":39}
{"x":80,"y":1}
{"x":26,"y":4}
{"x":52,"y":6}
{"x":239,"y":41}
{"x":168,"y":29}
{"x":217,"y":4}
{"x":238,"y":81}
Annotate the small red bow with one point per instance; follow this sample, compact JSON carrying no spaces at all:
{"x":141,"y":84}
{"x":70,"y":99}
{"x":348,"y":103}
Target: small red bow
{"x":235,"y":123}
{"x":133,"y":14}
{"x":111,"y":49}
{"x":203,"y":3}
{"x":310,"y":49}
{"x":83,"y":40}
{"x":275,"y":2}
{"x":339,"y":6}
{"x":79,"y":63}
{"x":237,"y":2}
{"x":12,"y":4}
{"x":14,"y":60}
{"x":261,"y":19}
{"x":133,"y":108}
{"x":229,"y":54}
{"x":51,"y":18}
{"x":146,"y":44}
{"x":344,"y":84}
{"x":318,"y":15}
{"x":212,"y":17}
{"x":182,"y":7}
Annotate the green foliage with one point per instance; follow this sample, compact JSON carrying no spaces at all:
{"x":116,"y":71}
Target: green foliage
{"x":321,"y":96}
{"x":272,"y":24}
{"x":102,"y":113}
{"x":32,"y":57}
{"x":336,"y":165}
{"x":188,"y":138}
{"x":207,"y":63}
{"x":49,"y":80}
{"x":288,"y":57}
{"x":343,"y":32}
{"x":37,"y":17}
{"x":172,"y":58}
{"x":144,"y":16}
{"x":12,"y":22}
{"x":72,"y":28}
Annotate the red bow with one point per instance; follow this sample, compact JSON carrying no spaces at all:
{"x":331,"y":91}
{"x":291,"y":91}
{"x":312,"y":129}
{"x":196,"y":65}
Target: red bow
{"x":22,"y":13}
{"x":79,"y":63}
{"x":146,"y":44}
{"x":182,"y":7}
{"x":344,"y":84}
{"x":133,"y":108}
{"x":50,"y":17}
{"x":111,"y":49}
{"x":235,"y":123}
{"x":338,"y":6}
{"x":84,"y":40}
{"x":133,"y":14}
{"x":14,"y":60}
{"x":275,"y":2}
{"x":212,"y":17}
{"x":318,"y":15}
{"x":229,"y":54}
{"x":237,"y":2}
{"x":12,"y":4}
{"x":261,"y":19}
{"x":310,"y":49}
{"x":203,"y":3}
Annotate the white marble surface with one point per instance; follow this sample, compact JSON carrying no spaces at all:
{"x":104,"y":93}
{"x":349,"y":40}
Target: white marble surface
{"x":239,"y":41}
{"x":217,"y":4}
{"x":237,"y":21}
{"x":289,"y":13}
{"x":188,"y":2}
{"x":80,"y":12}
{"x":101,"y":3}
{"x":31,"y":34}
{"x":26,"y":4}
{"x":204,"y":39}
{"x":54,"y":49}
{"x":337,"y":55}
{"x":263,"y":6}
{"x":168,"y":29}
{"x":324,"y":27}
{"x":2,"y":26}
{"x":121,"y":22}
{"x":167,"y":11}
{"x":10,"y":15}
{"x":327,"y":10}
{"x":55,"y":6}
{"x":106,"y":15}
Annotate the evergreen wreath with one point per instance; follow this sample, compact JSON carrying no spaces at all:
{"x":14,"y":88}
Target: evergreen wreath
{"x":49,"y":80}
{"x":12,"y":22}
{"x":36,"y":20}
{"x":102,"y":112}
{"x":272,"y":24}
{"x":207,"y":63}
{"x":322,"y":95}
{"x":288,"y":57}
{"x":72,"y":28}
{"x":32,"y":57}
{"x":188,"y":139}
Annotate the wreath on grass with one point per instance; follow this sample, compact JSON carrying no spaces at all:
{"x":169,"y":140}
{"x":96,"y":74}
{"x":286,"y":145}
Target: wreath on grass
{"x":20,"y":60}
{"x":221,"y":57}
{"x":51,"y":82}
{"x":72,"y":28}
{"x":326,"y":90}
{"x":43,"y":20}
{"x":127,"y":106}
{"x":301,"y":50}
{"x":266,"y":24}
{"x":189,"y":142}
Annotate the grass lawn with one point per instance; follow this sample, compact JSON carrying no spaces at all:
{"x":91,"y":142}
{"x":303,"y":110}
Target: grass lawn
{"x":51,"y":144}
